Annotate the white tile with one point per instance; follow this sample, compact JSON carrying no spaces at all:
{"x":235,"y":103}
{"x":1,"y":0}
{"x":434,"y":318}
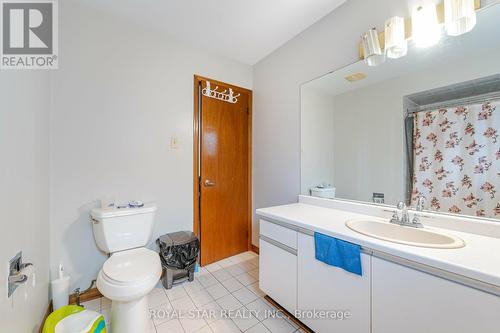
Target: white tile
{"x":243,"y":256}
{"x":224,"y":326}
{"x":260,"y":307}
{"x":245,"y":296}
{"x":211,"y":311}
{"x":232,"y":284}
{"x":254,"y":287}
{"x":278,"y":325}
{"x":235,"y":270}
{"x":176,"y":292}
{"x":221,"y":275}
{"x":192,"y":287}
{"x":157,"y":289}
{"x":205,"y":329}
{"x":243,"y":319}
{"x":247,"y":265}
{"x":254,"y":273}
{"x":200,"y":298}
{"x":171,"y":326}
{"x":246,"y":279}
{"x":157,"y":299}
{"x":229,"y":302}
{"x":255,"y":261}
{"x":192,"y":324}
{"x":161,"y":313}
{"x":225,"y":263}
{"x":259,"y":328}
{"x":217,"y":291}
{"x":207,"y":280}
{"x":213,"y":267}
{"x":183,"y":305}
{"x":105,"y":303}
{"x":93,"y":305}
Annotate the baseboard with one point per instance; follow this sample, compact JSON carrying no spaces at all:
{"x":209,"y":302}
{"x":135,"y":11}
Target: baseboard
{"x":89,"y":295}
{"x":289,"y":315}
{"x":255,"y":249}
{"x":47,"y":313}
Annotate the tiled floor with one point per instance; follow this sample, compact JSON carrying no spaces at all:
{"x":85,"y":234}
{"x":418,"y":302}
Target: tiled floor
{"x":230,"y":284}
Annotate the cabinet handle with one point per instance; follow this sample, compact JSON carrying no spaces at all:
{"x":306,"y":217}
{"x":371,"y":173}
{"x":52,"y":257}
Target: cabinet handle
{"x":278,"y":244}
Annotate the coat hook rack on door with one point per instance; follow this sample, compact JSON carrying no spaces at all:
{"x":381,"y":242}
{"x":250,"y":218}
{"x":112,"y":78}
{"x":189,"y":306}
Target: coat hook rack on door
{"x":221,"y":95}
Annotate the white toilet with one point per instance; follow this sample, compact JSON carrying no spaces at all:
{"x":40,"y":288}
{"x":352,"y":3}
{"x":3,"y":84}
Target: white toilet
{"x":132,"y":271}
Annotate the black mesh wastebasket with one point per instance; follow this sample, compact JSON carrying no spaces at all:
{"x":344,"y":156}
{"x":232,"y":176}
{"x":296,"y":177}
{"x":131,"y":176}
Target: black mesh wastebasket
{"x":178,"y":254}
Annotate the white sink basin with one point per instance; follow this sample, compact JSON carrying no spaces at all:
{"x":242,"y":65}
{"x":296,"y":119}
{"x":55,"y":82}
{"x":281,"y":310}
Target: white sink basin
{"x":405,"y":235}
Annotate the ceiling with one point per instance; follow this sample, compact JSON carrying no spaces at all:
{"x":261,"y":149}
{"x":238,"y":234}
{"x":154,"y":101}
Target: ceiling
{"x":243,"y":30}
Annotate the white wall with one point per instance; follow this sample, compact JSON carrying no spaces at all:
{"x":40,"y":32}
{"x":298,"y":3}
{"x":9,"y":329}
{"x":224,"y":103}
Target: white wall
{"x":24,"y":143}
{"x":327,"y":45}
{"x":120,"y":94}
{"x":317,"y":133}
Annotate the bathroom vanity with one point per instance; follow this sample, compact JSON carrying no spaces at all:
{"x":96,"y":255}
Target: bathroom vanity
{"x":403,"y":288}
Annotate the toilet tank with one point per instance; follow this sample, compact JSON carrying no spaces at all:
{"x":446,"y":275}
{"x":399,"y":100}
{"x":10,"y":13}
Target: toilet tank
{"x":121,"y":229}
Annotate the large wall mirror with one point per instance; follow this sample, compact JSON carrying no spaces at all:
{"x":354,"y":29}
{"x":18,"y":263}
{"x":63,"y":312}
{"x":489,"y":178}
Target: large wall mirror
{"x":425,"y":125}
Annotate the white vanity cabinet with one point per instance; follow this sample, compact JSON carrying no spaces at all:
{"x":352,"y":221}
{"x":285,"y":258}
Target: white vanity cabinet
{"x":325,"y":287}
{"x":278,"y":264}
{"x":411,"y":301}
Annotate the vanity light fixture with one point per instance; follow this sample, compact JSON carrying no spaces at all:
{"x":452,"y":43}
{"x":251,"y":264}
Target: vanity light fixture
{"x":425,"y":27}
{"x":459,"y":16}
{"x":372,"y":50}
{"x":396,"y":45}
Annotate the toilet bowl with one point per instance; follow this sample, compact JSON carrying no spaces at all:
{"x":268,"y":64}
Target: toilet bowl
{"x":126,"y":278}
{"x":132,"y":270}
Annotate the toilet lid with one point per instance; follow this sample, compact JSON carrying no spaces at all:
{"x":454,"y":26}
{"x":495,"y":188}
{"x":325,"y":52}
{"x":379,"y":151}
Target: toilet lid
{"x":132,"y":265}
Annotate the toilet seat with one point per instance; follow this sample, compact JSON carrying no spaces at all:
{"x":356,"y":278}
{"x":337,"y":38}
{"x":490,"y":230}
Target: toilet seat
{"x":129,"y":275}
{"x":131,"y":266}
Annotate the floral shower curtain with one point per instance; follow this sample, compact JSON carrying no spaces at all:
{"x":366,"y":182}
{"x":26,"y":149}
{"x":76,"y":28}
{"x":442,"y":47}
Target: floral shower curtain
{"x":457,"y":159}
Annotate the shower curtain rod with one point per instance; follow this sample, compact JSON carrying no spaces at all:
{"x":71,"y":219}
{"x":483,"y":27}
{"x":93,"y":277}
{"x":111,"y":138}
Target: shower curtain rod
{"x":457,"y":102}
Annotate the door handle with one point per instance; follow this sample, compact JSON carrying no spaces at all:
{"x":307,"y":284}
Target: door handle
{"x":208,"y":183}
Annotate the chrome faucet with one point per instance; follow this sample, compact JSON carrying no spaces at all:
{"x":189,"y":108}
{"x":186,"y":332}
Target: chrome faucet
{"x":404,"y":220}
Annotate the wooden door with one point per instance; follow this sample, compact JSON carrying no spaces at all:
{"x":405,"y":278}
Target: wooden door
{"x":223,"y":173}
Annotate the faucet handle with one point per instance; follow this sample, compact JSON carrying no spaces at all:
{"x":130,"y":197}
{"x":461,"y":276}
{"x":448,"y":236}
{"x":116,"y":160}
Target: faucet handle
{"x":420,"y":203}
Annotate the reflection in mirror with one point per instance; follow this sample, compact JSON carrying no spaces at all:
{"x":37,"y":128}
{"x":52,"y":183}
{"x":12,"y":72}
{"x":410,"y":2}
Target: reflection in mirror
{"x":426,"y":125}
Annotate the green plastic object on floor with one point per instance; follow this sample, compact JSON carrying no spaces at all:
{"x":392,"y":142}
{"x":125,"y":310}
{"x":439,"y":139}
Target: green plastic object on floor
{"x":74,"y":319}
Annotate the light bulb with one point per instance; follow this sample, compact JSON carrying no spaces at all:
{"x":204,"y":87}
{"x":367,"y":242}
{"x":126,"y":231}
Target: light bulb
{"x":371,"y":47}
{"x":396,"y":45}
{"x":425,"y":27}
{"x":459,"y":16}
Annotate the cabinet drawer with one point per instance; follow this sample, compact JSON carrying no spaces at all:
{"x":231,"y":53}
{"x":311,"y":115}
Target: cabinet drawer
{"x":278,"y":233}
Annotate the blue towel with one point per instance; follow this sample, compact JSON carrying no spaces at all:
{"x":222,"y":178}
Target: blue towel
{"x":339,"y":253}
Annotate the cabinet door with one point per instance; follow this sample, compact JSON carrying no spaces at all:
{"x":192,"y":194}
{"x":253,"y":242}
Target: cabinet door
{"x":410,"y":301}
{"x":325,"y":287}
{"x":278,"y":275}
